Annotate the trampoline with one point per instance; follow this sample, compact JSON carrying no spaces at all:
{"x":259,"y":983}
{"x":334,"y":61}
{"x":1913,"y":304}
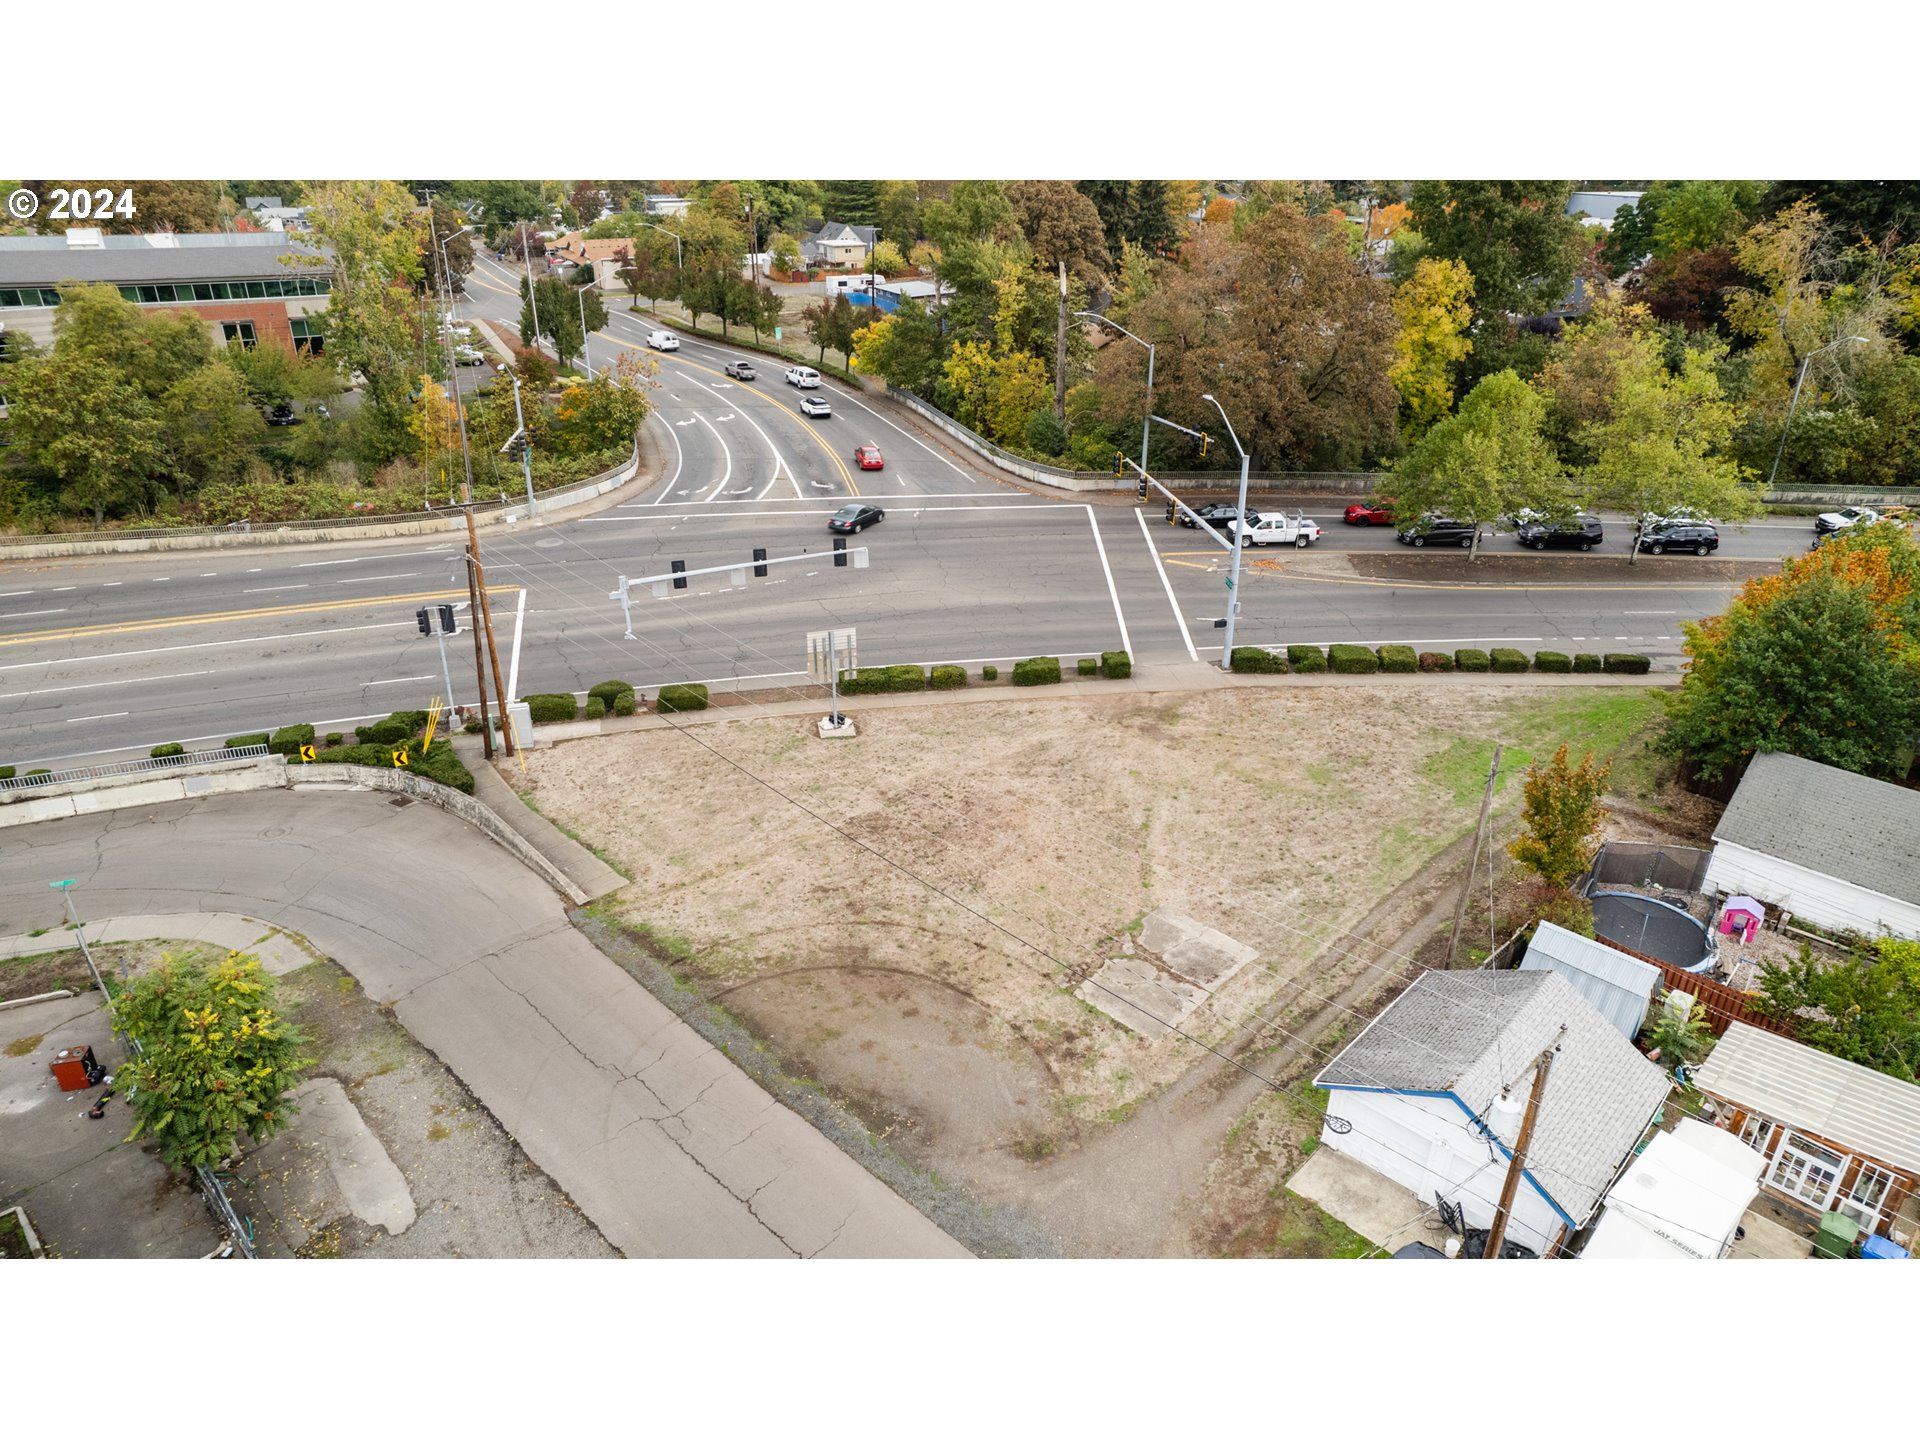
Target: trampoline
{"x":1653,"y":927}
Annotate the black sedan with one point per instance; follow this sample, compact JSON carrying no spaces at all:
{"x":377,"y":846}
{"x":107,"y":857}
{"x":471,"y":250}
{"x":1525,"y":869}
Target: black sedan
{"x":852,"y":519}
{"x":1694,"y":535}
{"x":1439,"y":532}
{"x":1583,"y":532}
{"x":1215,"y":517}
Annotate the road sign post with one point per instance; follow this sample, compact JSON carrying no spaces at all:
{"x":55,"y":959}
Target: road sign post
{"x":825,"y":649}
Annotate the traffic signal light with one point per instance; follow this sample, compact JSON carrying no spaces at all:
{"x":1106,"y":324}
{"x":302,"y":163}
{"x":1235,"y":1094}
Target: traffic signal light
{"x":1142,"y":492}
{"x":1119,"y":465}
{"x":1172,"y":512}
{"x":447,"y":626}
{"x":679,"y":579}
{"x":840,"y":550}
{"x":1206,"y":441}
{"x":759,"y":562}
{"x":426,"y":626}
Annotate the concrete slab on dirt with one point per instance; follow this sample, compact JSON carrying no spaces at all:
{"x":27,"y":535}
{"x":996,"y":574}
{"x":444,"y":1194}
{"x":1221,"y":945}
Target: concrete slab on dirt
{"x":1366,"y":1202}
{"x":1193,"y":951}
{"x":1184,"y":963}
{"x":368,"y":1180}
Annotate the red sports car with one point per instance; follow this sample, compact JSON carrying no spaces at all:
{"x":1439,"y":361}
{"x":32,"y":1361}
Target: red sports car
{"x":869,"y":457}
{"x":1371,"y":513}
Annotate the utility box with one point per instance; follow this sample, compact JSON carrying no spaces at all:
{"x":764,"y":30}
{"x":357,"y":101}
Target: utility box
{"x":71,"y":1067}
{"x":1836,"y":1236}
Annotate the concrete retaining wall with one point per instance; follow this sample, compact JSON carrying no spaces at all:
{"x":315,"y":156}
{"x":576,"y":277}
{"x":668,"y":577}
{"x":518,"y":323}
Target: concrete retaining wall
{"x":122,"y":792}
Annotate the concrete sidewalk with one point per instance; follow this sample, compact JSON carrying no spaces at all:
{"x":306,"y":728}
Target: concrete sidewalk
{"x":278,"y":952}
{"x":567,"y":855}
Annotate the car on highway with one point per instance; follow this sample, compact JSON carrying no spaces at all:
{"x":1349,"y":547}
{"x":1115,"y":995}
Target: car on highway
{"x":1214,"y":517}
{"x":868,"y":457}
{"x":741,"y":369}
{"x":804,"y":376}
{"x":1275,"y":528}
{"x":663,"y":340}
{"x":1695,"y":535}
{"x":816,"y":406}
{"x":852,"y":519}
{"x":1582,"y":532}
{"x":1371,"y":512}
{"x":1844,"y":518}
{"x":1438,"y":530}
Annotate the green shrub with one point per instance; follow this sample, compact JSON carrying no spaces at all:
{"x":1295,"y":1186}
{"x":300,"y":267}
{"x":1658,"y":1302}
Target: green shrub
{"x":439,"y":764}
{"x":1619,"y":664}
{"x":1436,"y":661}
{"x":989,"y":672}
{"x":607,"y":691}
{"x":163,"y":752}
{"x":552,"y":709}
{"x":1116,"y":664}
{"x":1037,"y":670}
{"x":414,"y":720}
{"x":1086,"y":665}
{"x":383,"y":732}
{"x":596,"y":708}
{"x":1475,"y":660}
{"x":883,"y":680}
{"x":1306,"y":659}
{"x":949,"y":677}
{"x":334,"y":737}
{"x":1586,"y":664}
{"x":236,"y":742}
{"x":624,"y":703}
{"x":1253,"y":660}
{"x":1552,"y":662}
{"x":1508,"y":661}
{"x":680,"y":697}
{"x":472,"y":727}
{"x":1352,"y":660}
{"x":6,"y":772}
{"x":1398,"y":659}
{"x":289,"y":738}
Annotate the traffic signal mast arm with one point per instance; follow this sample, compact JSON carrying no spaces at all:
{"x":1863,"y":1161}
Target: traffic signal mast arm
{"x":1174,"y":502}
{"x":677,"y":577}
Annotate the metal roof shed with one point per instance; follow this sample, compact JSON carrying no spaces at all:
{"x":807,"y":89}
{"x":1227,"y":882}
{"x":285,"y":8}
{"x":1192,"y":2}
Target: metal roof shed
{"x":1618,"y":986}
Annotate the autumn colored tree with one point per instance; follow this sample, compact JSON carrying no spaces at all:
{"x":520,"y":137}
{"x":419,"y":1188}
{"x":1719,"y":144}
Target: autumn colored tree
{"x":1691,"y":287}
{"x":1563,"y":811}
{"x":1488,"y":461}
{"x":1060,"y":223}
{"x":1514,"y":236}
{"x":1434,"y":309}
{"x":904,"y":349}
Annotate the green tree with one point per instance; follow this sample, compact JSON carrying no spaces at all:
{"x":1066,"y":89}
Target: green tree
{"x":1681,"y":1037}
{"x":897,"y":210}
{"x":831,"y":325}
{"x":1701,"y":214}
{"x":216,"y":1058}
{"x":210,"y":425}
{"x":1060,"y":223}
{"x":851,"y":202}
{"x":1434,"y":308}
{"x":1513,"y":235}
{"x":1630,"y":237}
{"x":1861,"y":208}
{"x":1487,"y":461}
{"x":446,"y":221}
{"x":604,"y":413}
{"x":90,"y":427}
{"x":1564,"y":813}
{"x":785,"y":252}
{"x":1149,"y":225}
{"x":904,"y":349}
{"x":1865,"y":1009}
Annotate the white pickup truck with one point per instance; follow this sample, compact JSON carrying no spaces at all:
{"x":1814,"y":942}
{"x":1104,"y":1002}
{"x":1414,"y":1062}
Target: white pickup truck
{"x":1274,"y":528}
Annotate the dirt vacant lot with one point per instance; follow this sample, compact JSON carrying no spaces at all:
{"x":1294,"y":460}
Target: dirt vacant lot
{"x":904,"y":918}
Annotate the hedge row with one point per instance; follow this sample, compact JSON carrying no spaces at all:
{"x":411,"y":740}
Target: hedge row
{"x":1398,"y":659}
{"x":167,"y":751}
{"x":1352,"y":660}
{"x":1508,"y":661}
{"x":288,"y":739}
{"x":240,"y":742}
{"x":1037,"y":670}
{"x":1401,"y":660}
{"x":1116,"y":664}
{"x":549,"y":709}
{"x":1252,"y":660}
{"x":883,"y":680}
{"x":1307,"y":659}
{"x":1436,"y":662}
{"x":948,"y":677}
{"x":680,"y":697}
{"x":438,"y":763}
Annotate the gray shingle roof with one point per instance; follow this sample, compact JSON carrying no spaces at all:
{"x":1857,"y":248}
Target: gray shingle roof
{"x":133,"y":259}
{"x":1863,"y":831}
{"x":1467,"y":1033}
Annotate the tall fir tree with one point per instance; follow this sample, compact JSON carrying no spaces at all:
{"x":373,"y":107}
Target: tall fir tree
{"x":851,"y":202}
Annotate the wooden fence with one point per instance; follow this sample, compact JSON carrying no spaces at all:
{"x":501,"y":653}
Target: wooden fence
{"x":1723,"y":1004}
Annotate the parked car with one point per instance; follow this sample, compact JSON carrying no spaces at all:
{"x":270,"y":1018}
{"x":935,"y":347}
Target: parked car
{"x":1438,"y":530}
{"x":1844,"y":518}
{"x":1214,"y":517}
{"x":1372,"y":512}
{"x":467,"y":355}
{"x":663,"y":340}
{"x":317,"y":408}
{"x":816,"y":406}
{"x":740,"y":369}
{"x":868,"y":457}
{"x":282,"y":414}
{"x":1695,"y":535}
{"x":1276,"y":529}
{"x":804,"y":376}
{"x":1583,"y":532}
{"x":852,"y":519}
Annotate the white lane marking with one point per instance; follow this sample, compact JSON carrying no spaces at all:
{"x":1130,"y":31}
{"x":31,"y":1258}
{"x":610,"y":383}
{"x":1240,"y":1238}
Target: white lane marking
{"x":23,"y":614}
{"x":1101,"y":546}
{"x":102,"y":684}
{"x":1649,"y":612}
{"x":679,"y":459}
{"x":733,"y":512}
{"x":161,"y":579}
{"x":208,"y":574}
{"x":729,"y":454}
{"x":82,"y":719}
{"x":59,"y":588}
{"x":9,"y":594}
{"x":402,"y":680}
{"x":778,"y":459}
{"x":111,"y":583}
{"x":369,"y":579}
{"x":383,"y":555}
{"x":201,"y":645}
{"x":254,"y":571}
{"x":513,"y":665}
{"x":1166,"y":584}
{"x":272,"y":589}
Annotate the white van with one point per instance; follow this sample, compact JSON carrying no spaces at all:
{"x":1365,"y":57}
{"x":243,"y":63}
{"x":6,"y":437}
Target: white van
{"x":805,"y":376}
{"x":664,"y":340}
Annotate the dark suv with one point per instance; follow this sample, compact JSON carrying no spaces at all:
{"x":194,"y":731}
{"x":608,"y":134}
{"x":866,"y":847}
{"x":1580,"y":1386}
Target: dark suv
{"x":1439,"y":532}
{"x":1695,"y":535}
{"x":1582,"y":532}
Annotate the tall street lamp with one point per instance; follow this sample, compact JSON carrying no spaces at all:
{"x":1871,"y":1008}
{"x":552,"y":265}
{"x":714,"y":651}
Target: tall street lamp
{"x":1146,"y":422}
{"x":586,"y":357}
{"x":1798,"y":382}
{"x":1239,"y":539}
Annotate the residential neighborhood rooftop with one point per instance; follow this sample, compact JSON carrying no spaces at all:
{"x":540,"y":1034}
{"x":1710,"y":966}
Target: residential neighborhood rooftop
{"x":1857,"y":829}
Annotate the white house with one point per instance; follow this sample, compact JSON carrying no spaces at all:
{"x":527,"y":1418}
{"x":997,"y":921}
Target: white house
{"x":1431,"y":1094}
{"x":1617,"y":985}
{"x":834,"y":244}
{"x":1833,"y":847}
{"x":1681,"y":1198}
{"x":1599,"y":207}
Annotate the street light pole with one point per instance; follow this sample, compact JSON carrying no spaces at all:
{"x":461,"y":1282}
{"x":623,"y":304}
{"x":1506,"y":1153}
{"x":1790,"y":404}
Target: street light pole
{"x":1146,"y":421}
{"x":526,"y":447}
{"x":586,"y":358}
{"x":1798,"y":382}
{"x":1239,"y":539}
{"x":533,"y":299}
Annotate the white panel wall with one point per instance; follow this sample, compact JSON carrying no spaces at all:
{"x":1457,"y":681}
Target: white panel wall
{"x":1828,"y":902}
{"x":1426,"y":1144}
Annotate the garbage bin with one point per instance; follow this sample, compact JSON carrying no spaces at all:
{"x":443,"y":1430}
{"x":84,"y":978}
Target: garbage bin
{"x":73,"y":1067}
{"x":1836,"y":1237}
{"x":1878,"y":1247}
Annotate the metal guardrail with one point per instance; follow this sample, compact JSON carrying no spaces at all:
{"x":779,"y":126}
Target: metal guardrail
{"x":151,"y":765}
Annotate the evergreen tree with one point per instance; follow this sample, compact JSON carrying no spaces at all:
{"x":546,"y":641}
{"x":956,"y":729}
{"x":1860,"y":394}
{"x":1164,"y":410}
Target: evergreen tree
{"x":1148,"y":224}
{"x":852,"y":202}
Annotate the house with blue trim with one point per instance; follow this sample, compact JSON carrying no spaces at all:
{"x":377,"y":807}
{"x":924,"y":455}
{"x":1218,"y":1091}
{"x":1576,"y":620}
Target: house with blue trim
{"x":1430,"y":1097}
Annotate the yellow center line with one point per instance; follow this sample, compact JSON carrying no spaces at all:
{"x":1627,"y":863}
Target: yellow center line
{"x":133,"y":627}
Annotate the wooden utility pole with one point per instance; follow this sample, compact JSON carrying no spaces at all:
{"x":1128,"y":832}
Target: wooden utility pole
{"x":479,"y":660}
{"x":1497,"y":1233}
{"x":479,"y":575}
{"x":1473,"y":860}
{"x":1060,"y":354}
